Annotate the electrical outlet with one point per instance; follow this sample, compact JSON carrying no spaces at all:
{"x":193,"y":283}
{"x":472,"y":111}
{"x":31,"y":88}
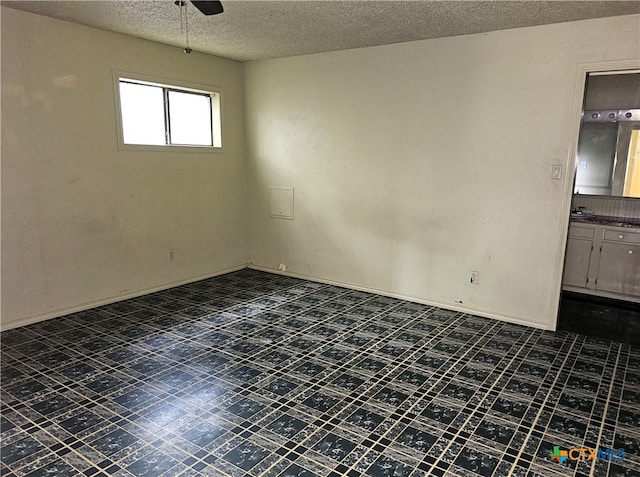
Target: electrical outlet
{"x":556,"y":171}
{"x":475,"y":278}
{"x":171,"y":255}
{"x":282,"y":267}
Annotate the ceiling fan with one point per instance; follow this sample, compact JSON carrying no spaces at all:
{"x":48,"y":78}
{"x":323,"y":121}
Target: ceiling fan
{"x":207,"y":7}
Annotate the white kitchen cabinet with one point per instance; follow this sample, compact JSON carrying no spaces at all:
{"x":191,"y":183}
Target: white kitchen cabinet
{"x":576,"y":265}
{"x":602,"y":260}
{"x":618,"y":270}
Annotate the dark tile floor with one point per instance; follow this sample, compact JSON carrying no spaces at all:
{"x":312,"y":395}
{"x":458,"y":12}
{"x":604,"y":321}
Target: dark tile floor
{"x":600,"y":317}
{"x":252,"y":374}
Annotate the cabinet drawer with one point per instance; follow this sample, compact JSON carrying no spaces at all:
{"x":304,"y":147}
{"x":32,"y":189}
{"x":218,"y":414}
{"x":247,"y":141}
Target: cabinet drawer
{"x":581,"y":232}
{"x":621,"y":236}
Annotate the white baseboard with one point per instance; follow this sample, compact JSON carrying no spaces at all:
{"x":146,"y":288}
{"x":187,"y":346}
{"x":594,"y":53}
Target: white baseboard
{"x":112,"y":299}
{"x":446,"y":306}
{"x":603,"y":294}
{"x":88,"y":305}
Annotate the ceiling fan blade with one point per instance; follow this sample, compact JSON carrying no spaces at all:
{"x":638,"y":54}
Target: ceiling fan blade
{"x":208,"y":7}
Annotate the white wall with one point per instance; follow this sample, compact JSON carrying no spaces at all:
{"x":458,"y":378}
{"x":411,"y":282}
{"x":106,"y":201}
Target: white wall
{"x":82,"y":221}
{"x":415,"y":163}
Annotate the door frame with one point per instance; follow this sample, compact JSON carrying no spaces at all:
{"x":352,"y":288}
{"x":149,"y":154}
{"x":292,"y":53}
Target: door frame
{"x":583,"y":70}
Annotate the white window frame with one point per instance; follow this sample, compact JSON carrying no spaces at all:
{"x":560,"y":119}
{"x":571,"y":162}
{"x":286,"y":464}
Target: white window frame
{"x":177,"y":85}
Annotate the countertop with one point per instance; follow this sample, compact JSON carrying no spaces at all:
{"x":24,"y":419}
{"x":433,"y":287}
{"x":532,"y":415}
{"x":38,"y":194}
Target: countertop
{"x":611,"y":221}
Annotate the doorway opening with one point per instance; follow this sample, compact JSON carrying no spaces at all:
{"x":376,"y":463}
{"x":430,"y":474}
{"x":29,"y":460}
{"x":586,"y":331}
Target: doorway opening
{"x":600,"y":291}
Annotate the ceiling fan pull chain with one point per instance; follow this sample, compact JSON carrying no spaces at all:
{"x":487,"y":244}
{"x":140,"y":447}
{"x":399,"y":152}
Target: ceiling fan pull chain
{"x":181,"y":5}
{"x":187,"y":50}
{"x":184,"y":23}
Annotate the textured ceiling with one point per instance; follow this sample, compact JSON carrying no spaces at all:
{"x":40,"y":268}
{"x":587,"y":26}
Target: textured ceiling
{"x":250,"y":30}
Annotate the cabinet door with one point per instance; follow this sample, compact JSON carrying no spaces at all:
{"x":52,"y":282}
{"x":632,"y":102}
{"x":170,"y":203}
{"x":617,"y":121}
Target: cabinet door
{"x":618,"y":270}
{"x":576,"y":265}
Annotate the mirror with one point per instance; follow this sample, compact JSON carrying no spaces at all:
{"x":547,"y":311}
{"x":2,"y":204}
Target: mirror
{"x":609,"y":144}
{"x":608,"y":159}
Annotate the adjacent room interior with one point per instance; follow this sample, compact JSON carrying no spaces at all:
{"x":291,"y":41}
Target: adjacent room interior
{"x":362,"y":274}
{"x":600,"y":285}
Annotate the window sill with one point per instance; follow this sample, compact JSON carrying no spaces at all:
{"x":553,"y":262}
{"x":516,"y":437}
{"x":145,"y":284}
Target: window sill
{"x":174,"y":149}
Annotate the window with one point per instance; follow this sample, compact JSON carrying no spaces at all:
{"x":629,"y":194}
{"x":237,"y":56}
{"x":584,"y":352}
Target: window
{"x":156,"y":114}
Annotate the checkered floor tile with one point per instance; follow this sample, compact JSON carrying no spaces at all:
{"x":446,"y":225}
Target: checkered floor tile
{"x":255,"y":374}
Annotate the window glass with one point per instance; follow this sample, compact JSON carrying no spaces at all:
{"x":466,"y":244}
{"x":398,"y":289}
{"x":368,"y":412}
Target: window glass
{"x":190,"y":118}
{"x":162,"y":116}
{"x":142,"y":109}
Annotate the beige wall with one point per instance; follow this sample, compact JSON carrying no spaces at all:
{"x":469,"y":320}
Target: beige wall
{"x":414,"y":164}
{"x":82,"y":221}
